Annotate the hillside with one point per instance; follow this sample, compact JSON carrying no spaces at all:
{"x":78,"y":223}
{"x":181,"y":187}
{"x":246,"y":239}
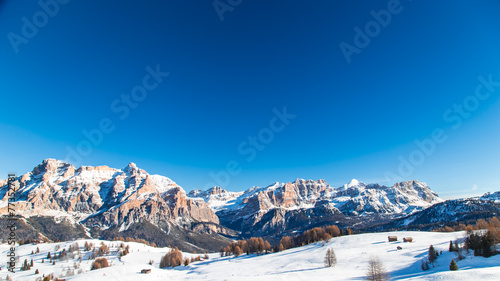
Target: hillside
{"x":303,"y":263}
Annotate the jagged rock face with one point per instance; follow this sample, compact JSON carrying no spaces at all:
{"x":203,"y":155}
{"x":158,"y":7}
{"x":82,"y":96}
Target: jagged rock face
{"x":104,"y":197}
{"x":268,"y":207}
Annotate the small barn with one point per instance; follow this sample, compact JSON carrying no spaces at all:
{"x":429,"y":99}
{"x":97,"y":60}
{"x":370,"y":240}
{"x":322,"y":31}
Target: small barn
{"x":392,"y":238}
{"x":146,"y":271}
{"x":408,"y":239}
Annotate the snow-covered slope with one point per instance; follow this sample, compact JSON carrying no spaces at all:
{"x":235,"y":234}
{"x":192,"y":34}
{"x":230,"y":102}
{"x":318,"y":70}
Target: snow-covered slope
{"x":303,"y":263}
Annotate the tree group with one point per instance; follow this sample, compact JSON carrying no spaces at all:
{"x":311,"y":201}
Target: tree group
{"x":171,"y":259}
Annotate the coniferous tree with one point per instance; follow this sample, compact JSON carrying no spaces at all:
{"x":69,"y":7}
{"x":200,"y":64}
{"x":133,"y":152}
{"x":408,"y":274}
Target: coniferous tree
{"x":453,"y":265}
{"x":25,"y":265}
{"x":424,"y":265}
{"x":432,"y":254}
{"x":48,"y":256}
{"x":486,"y":243}
{"x":452,"y":248}
{"x":37,"y":272}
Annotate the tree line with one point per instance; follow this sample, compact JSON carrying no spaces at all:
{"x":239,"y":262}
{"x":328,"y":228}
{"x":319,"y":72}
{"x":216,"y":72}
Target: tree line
{"x":258,"y":245}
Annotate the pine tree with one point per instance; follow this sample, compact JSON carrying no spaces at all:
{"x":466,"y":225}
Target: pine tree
{"x":330,"y":258}
{"x":453,"y":265}
{"x":452,"y":249}
{"x":49,"y":256}
{"x":424,"y":265}
{"x":432,"y":254}
{"x":37,"y":272}
{"x":25,"y":265}
{"x":31,"y":263}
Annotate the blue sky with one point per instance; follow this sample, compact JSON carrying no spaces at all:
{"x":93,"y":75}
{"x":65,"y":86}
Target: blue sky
{"x":358,"y":116}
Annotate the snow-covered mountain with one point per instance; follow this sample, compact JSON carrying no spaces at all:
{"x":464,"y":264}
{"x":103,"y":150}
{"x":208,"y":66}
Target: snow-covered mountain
{"x":448,"y":212}
{"x":107,"y":199}
{"x":354,"y":198}
{"x":281,"y":206}
{"x":60,"y":201}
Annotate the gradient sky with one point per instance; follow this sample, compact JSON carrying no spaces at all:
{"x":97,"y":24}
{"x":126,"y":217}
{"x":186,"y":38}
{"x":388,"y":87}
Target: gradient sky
{"x":352,"y":120}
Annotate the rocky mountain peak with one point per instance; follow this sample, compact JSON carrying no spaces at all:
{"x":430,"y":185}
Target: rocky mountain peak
{"x":50,"y":165}
{"x":105,"y":197}
{"x":216,"y":190}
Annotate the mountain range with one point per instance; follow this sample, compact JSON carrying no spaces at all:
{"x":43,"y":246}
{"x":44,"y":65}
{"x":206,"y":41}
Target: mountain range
{"x":59,"y":201}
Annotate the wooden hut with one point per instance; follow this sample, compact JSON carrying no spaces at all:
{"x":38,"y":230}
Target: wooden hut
{"x":408,"y":239}
{"x":146,"y":271}
{"x":392,"y":238}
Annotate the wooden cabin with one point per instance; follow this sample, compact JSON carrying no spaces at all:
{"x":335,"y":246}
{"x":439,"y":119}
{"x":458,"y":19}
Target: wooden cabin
{"x":392,"y":238}
{"x":408,"y":239}
{"x":146,"y":271}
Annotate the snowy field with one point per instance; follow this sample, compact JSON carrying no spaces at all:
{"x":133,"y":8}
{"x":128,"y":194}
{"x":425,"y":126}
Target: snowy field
{"x":303,"y":263}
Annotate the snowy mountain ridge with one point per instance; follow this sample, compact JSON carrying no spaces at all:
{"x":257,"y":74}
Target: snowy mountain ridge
{"x":110,"y":202}
{"x":354,"y":198}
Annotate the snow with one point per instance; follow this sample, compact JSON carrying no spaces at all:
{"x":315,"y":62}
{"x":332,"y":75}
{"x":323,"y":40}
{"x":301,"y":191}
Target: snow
{"x":353,"y":182}
{"x":302,"y":263}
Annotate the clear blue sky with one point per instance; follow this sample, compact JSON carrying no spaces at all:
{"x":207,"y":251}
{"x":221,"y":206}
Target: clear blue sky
{"x":357,"y":119}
